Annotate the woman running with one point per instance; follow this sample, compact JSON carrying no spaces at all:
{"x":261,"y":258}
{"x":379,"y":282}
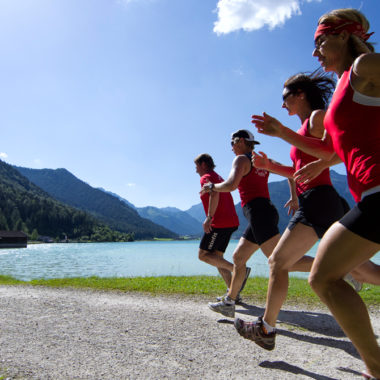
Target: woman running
{"x":319,"y":204}
{"x":352,"y":125}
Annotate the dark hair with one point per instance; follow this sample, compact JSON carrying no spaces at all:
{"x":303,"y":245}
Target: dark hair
{"x":207,"y":159}
{"x":317,"y":86}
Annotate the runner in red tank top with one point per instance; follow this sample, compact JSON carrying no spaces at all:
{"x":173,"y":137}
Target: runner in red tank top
{"x":319,"y":203}
{"x":262,"y":231}
{"x":352,"y":126}
{"x":221,"y":220}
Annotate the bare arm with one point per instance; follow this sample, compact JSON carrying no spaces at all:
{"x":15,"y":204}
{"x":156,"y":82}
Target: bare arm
{"x":366,"y":74}
{"x":319,"y":148}
{"x":313,"y":169}
{"x":292,"y":203}
{"x":240,"y":167}
{"x":212,"y":206}
{"x":316,"y":127}
{"x":261,"y":161}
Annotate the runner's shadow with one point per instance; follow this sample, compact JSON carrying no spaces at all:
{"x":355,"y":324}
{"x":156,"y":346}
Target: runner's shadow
{"x":284,"y":366}
{"x":343,"y":345}
{"x":320,"y":323}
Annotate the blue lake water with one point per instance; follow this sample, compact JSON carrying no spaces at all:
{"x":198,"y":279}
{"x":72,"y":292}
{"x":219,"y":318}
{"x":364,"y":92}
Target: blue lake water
{"x":157,"y":258}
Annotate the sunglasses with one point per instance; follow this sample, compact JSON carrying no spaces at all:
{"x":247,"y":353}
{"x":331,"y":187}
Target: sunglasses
{"x":286,"y":96}
{"x":235,"y":141}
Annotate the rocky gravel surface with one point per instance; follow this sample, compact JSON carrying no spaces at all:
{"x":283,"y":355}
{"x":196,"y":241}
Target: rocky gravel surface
{"x":83,"y":334}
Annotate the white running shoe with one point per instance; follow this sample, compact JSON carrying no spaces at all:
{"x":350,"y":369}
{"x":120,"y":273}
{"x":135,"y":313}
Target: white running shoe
{"x":357,"y":285}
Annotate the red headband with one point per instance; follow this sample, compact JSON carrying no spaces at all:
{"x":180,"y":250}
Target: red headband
{"x":337,"y":27}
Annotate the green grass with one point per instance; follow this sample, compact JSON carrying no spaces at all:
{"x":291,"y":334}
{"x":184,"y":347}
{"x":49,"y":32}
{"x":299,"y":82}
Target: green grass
{"x":210,"y":286}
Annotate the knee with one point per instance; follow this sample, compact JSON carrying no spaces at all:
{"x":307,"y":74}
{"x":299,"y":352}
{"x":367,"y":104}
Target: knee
{"x":318,"y":283}
{"x":276,"y":265}
{"x":202,"y":255}
{"x":238,"y":260}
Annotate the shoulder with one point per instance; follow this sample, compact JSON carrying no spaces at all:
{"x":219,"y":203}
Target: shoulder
{"x":241,"y":160}
{"x":366,"y":74}
{"x":316,"y":123}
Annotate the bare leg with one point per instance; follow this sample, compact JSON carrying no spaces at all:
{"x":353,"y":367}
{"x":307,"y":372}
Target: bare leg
{"x":302,"y":265}
{"x":368,"y":272}
{"x":242,"y":253}
{"x":339,"y":252}
{"x":289,"y":250}
{"x":216,"y":259}
{"x":268,"y":246}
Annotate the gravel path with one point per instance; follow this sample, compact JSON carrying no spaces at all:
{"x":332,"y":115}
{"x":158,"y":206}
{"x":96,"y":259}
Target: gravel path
{"x":80,"y":334}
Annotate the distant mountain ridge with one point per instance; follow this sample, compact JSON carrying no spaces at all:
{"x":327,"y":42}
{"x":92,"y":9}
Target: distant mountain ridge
{"x":26,"y":207}
{"x":171,"y":218}
{"x":65,"y":187}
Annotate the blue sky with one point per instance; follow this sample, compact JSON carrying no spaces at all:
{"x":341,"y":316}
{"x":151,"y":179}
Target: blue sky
{"x":125,"y":93}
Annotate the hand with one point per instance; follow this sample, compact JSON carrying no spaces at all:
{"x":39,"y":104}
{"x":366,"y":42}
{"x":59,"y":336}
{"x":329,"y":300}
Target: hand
{"x":260,"y":160}
{"x":309,"y":172}
{"x":207,"y":225}
{"x":293,"y":206}
{"x":207,"y":188}
{"x":267,"y":125}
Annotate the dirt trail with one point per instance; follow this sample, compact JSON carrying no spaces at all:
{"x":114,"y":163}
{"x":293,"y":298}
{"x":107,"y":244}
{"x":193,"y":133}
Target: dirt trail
{"x":80,"y":334}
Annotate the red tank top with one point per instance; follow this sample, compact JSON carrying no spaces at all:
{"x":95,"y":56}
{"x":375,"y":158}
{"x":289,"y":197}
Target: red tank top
{"x":225,"y":215}
{"x":254,"y":184}
{"x":301,"y":158}
{"x":353,"y":122}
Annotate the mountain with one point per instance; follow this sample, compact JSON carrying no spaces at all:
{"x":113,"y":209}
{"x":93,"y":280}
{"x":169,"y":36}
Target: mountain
{"x":173,"y":219}
{"x":26,"y":207}
{"x":65,"y":187}
{"x":197,"y":212}
{"x":118,"y":197}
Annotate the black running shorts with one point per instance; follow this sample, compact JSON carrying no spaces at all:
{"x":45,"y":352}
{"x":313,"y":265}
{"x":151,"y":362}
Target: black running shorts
{"x":319,"y":208}
{"x":262,"y":219}
{"x":363,"y":219}
{"x":217,"y":239}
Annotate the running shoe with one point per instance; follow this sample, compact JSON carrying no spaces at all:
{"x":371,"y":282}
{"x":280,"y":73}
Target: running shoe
{"x":357,"y":285}
{"x":238,"y":299}
{"x":224,"y":307}
{"x":255,"y":331}
{"x":247,"y":272}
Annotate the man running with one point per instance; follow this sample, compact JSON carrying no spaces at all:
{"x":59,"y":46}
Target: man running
{"x":221,"y":220}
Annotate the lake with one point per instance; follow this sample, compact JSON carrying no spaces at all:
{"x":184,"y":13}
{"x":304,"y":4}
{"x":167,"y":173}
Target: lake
{"x":141,"y":258}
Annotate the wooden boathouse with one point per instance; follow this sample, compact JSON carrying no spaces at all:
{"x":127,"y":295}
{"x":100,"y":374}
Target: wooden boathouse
{"x":13,"y":239}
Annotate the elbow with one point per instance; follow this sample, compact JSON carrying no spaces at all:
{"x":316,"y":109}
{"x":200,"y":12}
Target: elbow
{"x":327,"y":155}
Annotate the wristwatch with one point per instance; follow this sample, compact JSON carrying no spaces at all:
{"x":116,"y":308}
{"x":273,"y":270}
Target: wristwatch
{"x":210,"y":187}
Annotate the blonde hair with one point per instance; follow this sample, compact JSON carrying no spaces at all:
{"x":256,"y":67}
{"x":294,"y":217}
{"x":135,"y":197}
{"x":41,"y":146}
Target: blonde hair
{"x":357,"y":45}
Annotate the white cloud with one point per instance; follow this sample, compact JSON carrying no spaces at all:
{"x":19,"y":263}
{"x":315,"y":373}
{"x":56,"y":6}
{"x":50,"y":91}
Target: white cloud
{"x":131,"y":184}
{"x":3,"y":155}
{"x":254,"y":14}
